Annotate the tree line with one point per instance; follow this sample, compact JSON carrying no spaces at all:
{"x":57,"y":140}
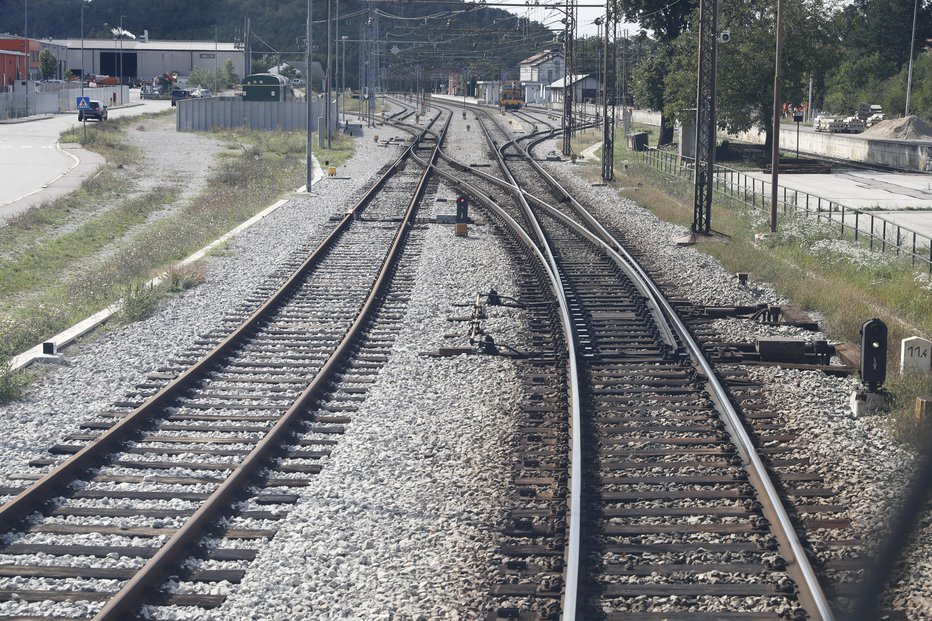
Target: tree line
{"x":847,"y":54}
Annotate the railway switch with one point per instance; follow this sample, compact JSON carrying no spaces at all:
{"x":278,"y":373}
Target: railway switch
{"x":873,"y":354}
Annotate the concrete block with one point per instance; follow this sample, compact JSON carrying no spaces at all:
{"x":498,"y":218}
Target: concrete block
{"x":915,"y":355}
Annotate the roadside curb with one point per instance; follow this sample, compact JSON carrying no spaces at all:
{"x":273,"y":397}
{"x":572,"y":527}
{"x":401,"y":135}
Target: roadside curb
{"x":69,"y":336}
{"x":28,"y":119}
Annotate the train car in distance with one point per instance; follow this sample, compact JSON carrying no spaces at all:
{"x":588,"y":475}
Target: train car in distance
{"x":511,"y":97}
{"x":266,"y":87}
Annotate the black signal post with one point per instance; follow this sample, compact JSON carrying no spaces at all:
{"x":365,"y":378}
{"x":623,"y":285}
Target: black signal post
{"x":462,"y":209}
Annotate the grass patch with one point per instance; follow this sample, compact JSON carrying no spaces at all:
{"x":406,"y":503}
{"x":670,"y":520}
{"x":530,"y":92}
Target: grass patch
{"x":806,"y":263}
{"x":139,"y":301}
{"x":121,"y":250}
{"x":183,"y":277}
{"x":904,"y":424}
{"x":12,"y":384}
{"x":21,"y":270}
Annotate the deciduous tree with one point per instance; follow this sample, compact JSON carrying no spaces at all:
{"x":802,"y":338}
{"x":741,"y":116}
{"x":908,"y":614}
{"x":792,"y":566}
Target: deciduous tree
{"x":48,"y":64}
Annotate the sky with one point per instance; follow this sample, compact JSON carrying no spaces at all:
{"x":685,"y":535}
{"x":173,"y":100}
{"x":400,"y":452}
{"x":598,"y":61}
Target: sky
{"x":537,"y":10}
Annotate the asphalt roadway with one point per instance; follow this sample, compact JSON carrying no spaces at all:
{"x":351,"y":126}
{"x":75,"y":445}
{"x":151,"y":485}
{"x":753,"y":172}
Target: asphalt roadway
{"x":37,"y":168}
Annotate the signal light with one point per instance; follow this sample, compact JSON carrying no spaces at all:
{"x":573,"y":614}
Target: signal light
{"x":462,"y":208}
{"x":873,"y":354}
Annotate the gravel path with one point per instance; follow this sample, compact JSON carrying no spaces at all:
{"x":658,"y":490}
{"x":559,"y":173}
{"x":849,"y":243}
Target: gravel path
{"x":169,"y":157}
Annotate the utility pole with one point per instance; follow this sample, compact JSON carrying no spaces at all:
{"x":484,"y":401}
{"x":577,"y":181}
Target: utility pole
{"x":625,"y":115}
{"x":26,"y":51}
{"x":705,"y":117}
{"x":569,"y":33}
{"x":247,"y":63}
{"x":83,"y":73}
{"x":912,"y":46}
{"x":329,"y":77}
{"x":608,"y":111}
{"x":121,"y":59}
{"x":777,"y":109}
{"x":343,"y":77}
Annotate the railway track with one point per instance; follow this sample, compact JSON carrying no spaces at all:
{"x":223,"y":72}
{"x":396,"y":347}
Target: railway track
{"x":672,"y":513}
{"x":160,"y":500}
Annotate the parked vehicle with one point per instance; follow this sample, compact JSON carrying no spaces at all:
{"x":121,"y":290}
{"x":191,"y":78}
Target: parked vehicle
{"x":96,"y":111}
{"x":102,"y":80}
{"x":180,"y":93}
{"x":267,"y":87}
{"x":147,"y":91}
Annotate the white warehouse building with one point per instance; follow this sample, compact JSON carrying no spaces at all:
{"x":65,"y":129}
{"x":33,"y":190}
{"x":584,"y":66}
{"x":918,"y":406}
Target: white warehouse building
{"x":142,"y":59}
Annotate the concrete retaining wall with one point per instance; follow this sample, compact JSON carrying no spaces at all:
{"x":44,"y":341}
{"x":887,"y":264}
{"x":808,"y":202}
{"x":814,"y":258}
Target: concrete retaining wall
{"x":901,"y":154}
{"x":198,"y":115}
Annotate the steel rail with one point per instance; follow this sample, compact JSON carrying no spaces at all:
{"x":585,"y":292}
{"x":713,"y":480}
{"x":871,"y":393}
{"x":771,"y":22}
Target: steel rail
{"x":156,"y":569}
{"x":622,"y":262}
{"x":812,"y":596}
{"x":37,"y":495}
{"x":573,"y":551}
{"x":92,"y":455}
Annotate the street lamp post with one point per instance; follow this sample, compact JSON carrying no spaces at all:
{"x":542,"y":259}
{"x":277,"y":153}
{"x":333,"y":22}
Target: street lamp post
{"x":310,"y":117}
{"x":83,"y":74}
{"x":216,"y":67}
{"x":343,"y":78}
{"x":121,"y":59}
{"x":26,"y":51}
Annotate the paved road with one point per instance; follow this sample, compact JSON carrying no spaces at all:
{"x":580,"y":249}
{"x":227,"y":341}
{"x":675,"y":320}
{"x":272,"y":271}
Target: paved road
{"x":36,"y":168}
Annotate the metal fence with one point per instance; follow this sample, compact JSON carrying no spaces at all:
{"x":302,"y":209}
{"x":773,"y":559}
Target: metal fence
{"x":228,"y":112}
{"x":874,"y":230}
{"x":57,"y":100}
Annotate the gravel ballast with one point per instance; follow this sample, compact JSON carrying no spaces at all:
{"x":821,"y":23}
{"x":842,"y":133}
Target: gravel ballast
{"x":403,"y":520}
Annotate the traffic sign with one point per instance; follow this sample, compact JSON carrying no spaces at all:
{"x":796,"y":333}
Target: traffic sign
{"x":84,"y":103}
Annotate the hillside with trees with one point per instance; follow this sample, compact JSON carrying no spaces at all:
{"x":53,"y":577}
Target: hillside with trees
{"x":439,"y":37}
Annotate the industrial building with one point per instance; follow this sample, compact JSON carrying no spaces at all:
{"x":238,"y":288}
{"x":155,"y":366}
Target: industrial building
{"x":142,"y":59}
